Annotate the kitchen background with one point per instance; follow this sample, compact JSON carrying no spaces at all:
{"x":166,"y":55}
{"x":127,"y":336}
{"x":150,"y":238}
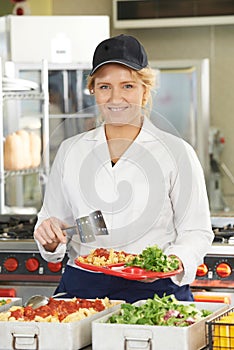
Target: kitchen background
{"x":214,"y":42}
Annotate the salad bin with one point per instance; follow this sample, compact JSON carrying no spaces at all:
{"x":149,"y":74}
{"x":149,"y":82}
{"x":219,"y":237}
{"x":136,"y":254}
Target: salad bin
{"x":9,"y":303}
{"x":49,"y":335}
{"x":136,"y":337}
{"x":220,"y":331}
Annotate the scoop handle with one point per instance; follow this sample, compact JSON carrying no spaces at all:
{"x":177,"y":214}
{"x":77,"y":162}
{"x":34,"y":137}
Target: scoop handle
{"x":70,"y":230}
{"x":59,"y":294}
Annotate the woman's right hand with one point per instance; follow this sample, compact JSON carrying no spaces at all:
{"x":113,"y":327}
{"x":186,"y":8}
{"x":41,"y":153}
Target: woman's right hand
{"x":50,"y":233}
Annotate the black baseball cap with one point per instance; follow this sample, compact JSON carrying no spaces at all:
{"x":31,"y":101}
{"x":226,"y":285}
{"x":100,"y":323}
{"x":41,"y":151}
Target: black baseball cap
{"x":123,"y":49}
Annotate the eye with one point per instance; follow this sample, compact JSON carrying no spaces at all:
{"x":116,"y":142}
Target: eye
{"x":128,"y":86}
{"x":104,"y":87}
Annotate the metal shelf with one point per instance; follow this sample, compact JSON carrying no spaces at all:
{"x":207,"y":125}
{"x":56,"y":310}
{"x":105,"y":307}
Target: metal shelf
{"x":33,"y":95}
{"x":22,"y":95}
{"x":8,"y":173}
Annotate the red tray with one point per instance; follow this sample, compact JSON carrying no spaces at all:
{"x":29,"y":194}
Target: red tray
{"x":128,"y":272}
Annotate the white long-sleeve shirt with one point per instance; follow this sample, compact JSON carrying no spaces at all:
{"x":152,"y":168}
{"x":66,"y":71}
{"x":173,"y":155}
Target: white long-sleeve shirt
{"x":155,"y":194}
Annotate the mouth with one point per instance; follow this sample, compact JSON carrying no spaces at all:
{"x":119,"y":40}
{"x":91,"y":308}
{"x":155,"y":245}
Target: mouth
{"x":117,"y":109}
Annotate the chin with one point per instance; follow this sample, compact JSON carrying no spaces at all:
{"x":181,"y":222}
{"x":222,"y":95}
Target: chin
{"x":122,"y":121}
{"x":117,"y":122}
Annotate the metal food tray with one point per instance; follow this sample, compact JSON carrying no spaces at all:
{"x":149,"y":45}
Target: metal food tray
{"x":220,"y":331}
{"x":50,"y":336}
{"x":14,"y":301}
{"x":132,"y":337}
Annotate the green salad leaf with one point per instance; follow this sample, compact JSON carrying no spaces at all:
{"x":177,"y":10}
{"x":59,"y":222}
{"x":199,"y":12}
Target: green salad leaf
{"x":153,"y":259}
{"x":165,"y":311}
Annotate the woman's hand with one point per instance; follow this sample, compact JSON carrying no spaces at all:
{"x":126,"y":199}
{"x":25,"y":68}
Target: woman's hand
{"x":50,"y":233}
{"x":180,"y":262}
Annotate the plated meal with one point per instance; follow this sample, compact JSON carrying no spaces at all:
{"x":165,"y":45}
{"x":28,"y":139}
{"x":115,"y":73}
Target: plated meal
{"x":105,"y":257}
{"x":57,"y":310}
{"x":150,"y":263}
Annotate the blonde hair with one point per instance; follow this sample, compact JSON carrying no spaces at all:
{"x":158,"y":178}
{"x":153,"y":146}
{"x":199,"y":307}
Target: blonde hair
{"x":146,"y":77}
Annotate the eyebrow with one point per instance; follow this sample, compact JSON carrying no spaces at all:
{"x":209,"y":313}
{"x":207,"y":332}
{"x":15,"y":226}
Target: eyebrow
{"x":122,"y":82}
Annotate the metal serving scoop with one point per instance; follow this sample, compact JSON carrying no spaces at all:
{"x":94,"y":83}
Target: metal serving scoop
{"x":40,"y":300}
{"x":88,"y":227}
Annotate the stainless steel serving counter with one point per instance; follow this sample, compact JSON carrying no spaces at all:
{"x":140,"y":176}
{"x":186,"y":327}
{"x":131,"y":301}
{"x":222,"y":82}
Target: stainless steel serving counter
{"x":90,"y":348}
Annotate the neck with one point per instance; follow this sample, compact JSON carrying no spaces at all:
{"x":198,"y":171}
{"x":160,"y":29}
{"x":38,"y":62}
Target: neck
{"x":119,"y":138}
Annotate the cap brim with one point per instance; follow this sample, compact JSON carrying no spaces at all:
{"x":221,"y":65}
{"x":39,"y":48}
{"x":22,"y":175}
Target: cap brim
{"x":131,"y":65}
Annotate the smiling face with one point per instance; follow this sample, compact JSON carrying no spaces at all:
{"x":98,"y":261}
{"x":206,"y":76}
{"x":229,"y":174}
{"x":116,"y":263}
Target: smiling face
{"x":118,"y":94}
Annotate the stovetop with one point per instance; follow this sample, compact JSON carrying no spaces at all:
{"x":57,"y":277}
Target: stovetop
{"x":17,"y":227}
{"x":221,"y":249}
{"x":20,"y":259}
{"x":223,"y":228}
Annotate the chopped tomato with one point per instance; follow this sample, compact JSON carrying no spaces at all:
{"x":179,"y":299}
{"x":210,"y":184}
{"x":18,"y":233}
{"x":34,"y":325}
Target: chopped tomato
{"x":43,"y":311}
{"x":29,"y":313}
{"x":102,"y":252}
{"x":58,"y":308}
{"x":19,"y":313}
{"x":98,"y":305}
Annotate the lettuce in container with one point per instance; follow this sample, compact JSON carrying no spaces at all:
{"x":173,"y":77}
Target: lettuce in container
{"x":165,"y":311}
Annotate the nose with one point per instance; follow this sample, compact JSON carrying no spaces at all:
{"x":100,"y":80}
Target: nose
{"x":116,"y":95}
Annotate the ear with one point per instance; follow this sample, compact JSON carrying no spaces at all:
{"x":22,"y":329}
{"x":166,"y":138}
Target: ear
{"x":145,"y":96}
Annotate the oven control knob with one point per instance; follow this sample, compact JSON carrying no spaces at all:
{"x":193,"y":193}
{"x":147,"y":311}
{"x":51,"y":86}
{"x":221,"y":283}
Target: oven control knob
{"x":11,"y":264}
{"x":202,"y":270}
{"x":55,"y":267}
{"x":223,"y":270}
{"x":32,"y":264}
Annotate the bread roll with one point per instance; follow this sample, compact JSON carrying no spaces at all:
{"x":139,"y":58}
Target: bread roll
{"x":13,"y":152}
{"x":27,"y":161}
{"x":35,"y":149}
{"x":22,"y":150}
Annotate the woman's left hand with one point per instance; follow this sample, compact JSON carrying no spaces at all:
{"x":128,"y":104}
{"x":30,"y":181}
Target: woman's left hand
{"x":180,"y":262}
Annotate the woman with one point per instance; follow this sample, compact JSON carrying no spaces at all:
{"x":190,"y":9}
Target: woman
{"x":148,"y":184}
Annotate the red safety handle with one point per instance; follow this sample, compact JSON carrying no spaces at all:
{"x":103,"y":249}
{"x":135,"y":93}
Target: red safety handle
{"x":212,"y":298}
{"x":7,"y":292}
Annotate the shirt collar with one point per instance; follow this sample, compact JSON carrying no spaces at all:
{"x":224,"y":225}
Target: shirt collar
{"x":148,"y":133}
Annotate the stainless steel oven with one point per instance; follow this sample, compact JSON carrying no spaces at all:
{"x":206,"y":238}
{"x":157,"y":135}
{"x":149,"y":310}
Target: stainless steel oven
{"x":215,"y":277}
{"x":23,"y":272}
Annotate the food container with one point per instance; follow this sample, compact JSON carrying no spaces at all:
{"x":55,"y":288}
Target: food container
{"x":49,"y":336}
{"x":134,"y":337}
{"x":14,"y":301}
{"x":220,"y":331}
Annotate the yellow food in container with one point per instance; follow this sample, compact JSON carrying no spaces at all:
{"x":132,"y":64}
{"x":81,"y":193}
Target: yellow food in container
{"x":224,"y":333}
